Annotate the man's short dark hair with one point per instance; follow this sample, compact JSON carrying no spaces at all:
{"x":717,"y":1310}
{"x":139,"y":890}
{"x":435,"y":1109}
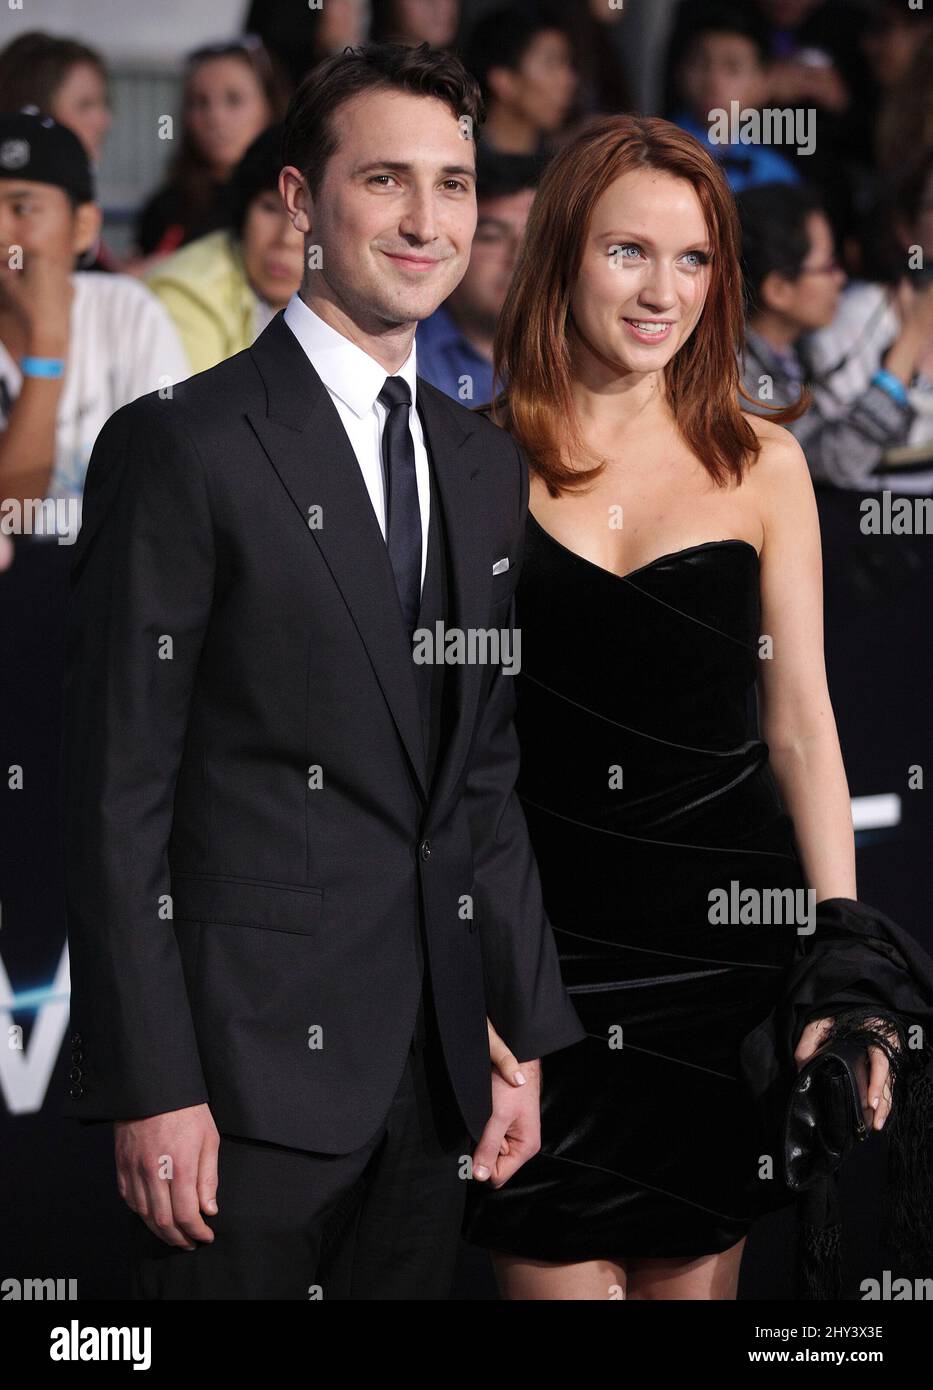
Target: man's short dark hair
{"x":309,"y":138}
{"x":723,"y":17}
{"x":775,"y":239}
{"x":502,"y":37}
{"x":501,"y":175}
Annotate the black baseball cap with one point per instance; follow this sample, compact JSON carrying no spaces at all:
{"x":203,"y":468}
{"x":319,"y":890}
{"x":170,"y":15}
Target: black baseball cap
{"x":36,"y":148}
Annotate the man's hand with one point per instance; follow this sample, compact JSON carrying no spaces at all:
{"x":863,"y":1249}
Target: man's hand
{"x":513,"y":1130}
{"x":791,"y":82}
{"x":167,"y":1172}
{"x":39,"y":296}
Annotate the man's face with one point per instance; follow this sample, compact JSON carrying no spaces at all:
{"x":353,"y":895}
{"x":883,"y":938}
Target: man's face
{"x":500,"y":227}
{"x":543,"y":86}
{"x":719,"y":68}
{"x":810,"y":301}
{"x":39,"y":217}
{"x":396,"y":211}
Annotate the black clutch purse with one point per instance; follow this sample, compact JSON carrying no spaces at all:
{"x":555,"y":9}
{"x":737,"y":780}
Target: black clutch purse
{"x":871,"y":976}
{"x":824,"y":1120}
{"x":823,"y":1123}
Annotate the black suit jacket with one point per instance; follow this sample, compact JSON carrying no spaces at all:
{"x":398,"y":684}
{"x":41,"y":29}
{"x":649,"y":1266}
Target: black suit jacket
{"x":242,"y":927}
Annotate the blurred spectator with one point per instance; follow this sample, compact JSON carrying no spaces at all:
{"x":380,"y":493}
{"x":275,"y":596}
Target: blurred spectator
{"x":793,"y":282}
{"x":74,"y":345}
{"x":524,"y":63}
{"x":68,"y":81}
{"x":223,"y":289}
{"x":892,"y":38}
{"x":814,"y":58}
{"x":64,"y":79}
{"x":300,"y":37}
{"x":888,"y":324}
{"x":598,"y":37}
{"x":818,"y":62}
{"x":812,"y":62}
{"x":904,"y":133}
{"x":232,"y":91}
{"x":724,"y":59}
{"x":455,"y":342}
{"x":434,"y":22}
{"x":815,"y":50}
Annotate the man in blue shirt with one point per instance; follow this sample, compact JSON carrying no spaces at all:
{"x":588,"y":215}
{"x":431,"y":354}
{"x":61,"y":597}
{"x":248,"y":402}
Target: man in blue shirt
{"x":455,"y":342}
{"x":725,"y":60}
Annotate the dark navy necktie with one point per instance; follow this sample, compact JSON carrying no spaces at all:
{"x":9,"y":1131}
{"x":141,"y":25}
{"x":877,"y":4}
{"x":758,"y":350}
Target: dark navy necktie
{"x":403,"y":512}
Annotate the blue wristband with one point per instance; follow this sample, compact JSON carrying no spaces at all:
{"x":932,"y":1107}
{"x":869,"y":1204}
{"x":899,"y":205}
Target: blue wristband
{"x":42,"y":366}
{"x":890,"y":383}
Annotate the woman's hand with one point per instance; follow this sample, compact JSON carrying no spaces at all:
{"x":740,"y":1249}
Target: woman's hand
{"x":877,"y":1095}
{"x":513,"y":1131}
{"x":506,"y":1064}
{"x":504,"y":1061}
{"x":914,"y":342}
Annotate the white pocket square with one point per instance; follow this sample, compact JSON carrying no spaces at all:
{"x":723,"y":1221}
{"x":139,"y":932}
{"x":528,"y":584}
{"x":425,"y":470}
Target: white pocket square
{"x":501,"y":566}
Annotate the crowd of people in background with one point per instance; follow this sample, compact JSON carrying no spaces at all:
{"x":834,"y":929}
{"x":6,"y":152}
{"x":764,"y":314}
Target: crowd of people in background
{"x":836,"y":237}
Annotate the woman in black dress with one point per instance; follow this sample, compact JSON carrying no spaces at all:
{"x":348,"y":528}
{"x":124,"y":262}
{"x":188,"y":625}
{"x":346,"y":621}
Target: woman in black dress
{"x":672,"y":564}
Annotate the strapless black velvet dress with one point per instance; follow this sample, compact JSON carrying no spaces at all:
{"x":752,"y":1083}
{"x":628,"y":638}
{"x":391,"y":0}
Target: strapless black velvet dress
{"x":650,"y":1147}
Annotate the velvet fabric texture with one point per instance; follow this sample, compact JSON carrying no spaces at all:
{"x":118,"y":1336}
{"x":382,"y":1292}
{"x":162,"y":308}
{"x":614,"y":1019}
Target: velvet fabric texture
{"x":647,"y":790}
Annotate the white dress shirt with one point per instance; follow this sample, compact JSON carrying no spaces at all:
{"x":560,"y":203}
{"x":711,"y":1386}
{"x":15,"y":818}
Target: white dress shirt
{"x":354,"y":380}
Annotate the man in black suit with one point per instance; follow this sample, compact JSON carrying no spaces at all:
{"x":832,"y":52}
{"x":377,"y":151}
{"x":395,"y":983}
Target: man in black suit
{"x":302,"y":903}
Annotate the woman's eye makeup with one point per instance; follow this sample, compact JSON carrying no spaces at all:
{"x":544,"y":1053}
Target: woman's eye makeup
{"x":620,"y":251}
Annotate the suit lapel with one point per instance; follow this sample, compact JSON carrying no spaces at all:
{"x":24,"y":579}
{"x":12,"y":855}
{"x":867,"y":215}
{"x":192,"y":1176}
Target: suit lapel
{"x":307,"y":446}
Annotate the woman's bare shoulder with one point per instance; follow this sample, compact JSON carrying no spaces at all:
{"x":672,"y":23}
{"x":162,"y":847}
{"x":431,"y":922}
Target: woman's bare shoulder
{"x":770,"y":435}
{"x":779,"y":476}
{"x":780,"y":454}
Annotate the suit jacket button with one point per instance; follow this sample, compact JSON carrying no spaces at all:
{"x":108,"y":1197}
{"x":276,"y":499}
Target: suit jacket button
{"x":76,"y":1091}
{"x":425,"y":849}
{"x":75,"y":1074}
{"x":76,"y":1039}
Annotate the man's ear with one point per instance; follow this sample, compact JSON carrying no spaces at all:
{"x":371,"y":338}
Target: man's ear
{"x":88,"y":221}
{"x":296,"y":196}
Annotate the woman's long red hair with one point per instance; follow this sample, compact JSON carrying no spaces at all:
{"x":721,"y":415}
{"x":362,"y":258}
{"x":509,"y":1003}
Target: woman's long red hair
{"x":532,"y":352}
